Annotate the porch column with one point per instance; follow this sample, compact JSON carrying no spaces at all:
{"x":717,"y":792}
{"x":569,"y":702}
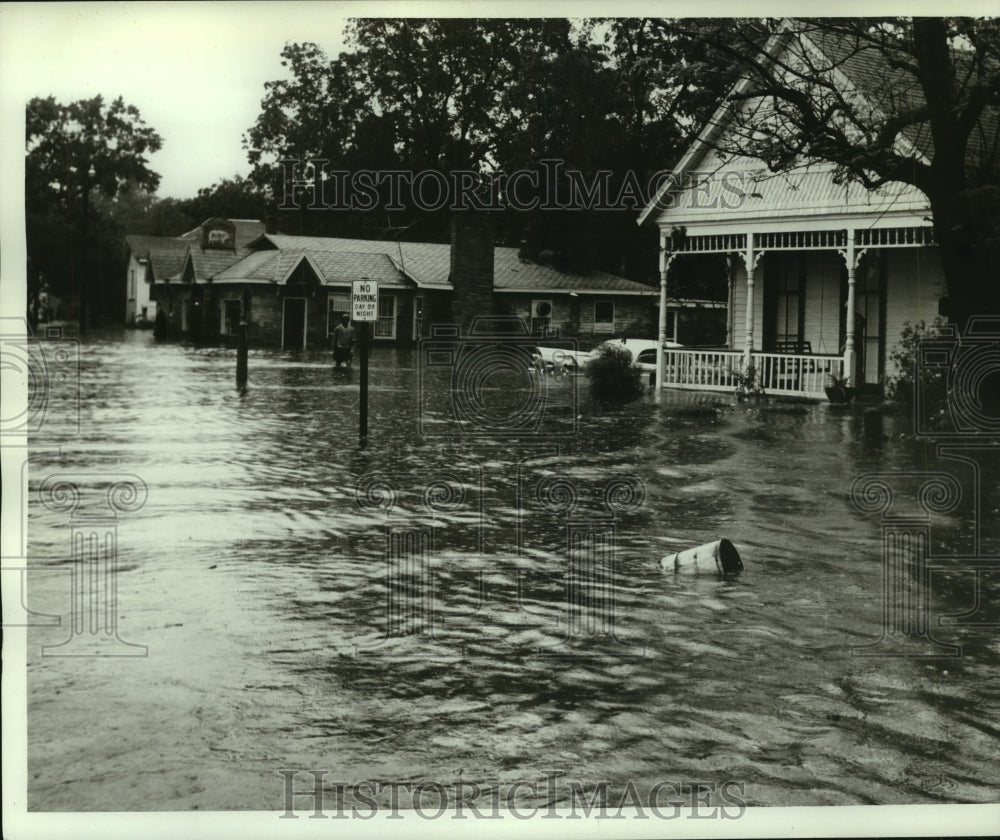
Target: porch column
{"x":664,"y":267}
{"x":852,"y":256}
{"x":750,"y":259}
{"x":730,"y":298}
{"x":852,"y":268}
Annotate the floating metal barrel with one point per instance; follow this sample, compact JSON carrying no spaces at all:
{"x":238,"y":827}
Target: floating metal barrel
{"x":717,"y":558}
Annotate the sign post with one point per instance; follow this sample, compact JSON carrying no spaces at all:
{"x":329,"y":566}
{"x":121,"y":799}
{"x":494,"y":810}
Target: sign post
{"x":364,"y":310}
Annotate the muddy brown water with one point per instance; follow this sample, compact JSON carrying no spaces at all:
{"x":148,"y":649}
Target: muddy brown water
{"x":257,"y":575}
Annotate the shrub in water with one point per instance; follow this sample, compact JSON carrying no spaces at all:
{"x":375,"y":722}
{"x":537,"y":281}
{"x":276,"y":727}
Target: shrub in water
{"x":911,"y":375}
{"x":613,"y":376}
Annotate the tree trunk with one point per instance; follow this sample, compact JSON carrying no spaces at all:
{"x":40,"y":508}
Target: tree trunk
{"x":969,"y":257}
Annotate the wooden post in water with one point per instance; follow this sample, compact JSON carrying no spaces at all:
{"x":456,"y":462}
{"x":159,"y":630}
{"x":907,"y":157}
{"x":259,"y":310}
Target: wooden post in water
{"x":363,"y":413}
{"x":241,"y":358}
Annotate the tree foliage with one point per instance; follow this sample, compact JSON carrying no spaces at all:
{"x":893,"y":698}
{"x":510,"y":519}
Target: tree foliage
{"x":76,"y":154}
{"x":617,"y":96}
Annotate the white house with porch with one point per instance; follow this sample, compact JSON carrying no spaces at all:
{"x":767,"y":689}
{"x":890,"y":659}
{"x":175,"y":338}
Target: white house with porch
{"x":804,"y":250}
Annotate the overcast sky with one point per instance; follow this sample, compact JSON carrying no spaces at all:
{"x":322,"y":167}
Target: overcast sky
{"x":196,"y":72}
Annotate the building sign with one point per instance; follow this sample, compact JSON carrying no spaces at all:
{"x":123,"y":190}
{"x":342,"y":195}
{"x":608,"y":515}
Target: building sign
{"x":218,"y":233}
{"x":364,"y":300}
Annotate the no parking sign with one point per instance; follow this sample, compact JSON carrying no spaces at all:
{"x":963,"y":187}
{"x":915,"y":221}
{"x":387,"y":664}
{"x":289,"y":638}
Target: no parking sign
{"x":364,"y":300}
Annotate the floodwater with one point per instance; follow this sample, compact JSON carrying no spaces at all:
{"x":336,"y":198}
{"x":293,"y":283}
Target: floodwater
{"x":282,"y":635}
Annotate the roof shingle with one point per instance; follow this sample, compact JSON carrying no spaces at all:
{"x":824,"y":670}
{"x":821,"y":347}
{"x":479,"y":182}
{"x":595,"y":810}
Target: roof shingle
{"x":428,"y":264}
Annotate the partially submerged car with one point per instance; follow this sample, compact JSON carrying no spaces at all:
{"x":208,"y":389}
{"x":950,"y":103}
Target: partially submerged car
{"x":642,"y":350}
{"x":560,"y":360}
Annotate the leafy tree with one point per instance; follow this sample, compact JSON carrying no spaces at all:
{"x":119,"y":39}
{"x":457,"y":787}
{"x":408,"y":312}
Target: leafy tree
{"x":492,"y":95}
{"x":669,"y":83}
{"x":924,"y":112}
{"x":75,"y":153}
{"x":233,"y":198}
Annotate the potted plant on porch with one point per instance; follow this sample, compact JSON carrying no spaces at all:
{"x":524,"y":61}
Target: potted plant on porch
{"x":839,"y":392}
{"x":747,"y":384}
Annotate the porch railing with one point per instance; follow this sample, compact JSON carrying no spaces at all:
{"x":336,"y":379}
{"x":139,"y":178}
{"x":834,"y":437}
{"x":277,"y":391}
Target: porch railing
{"x":789,"y":374}
{"x":794,"y":374}
{"x":702,"y":370}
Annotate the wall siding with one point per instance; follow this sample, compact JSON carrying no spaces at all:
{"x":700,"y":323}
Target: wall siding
{"x":133,"y":306}
{"x":915,"y":283}
{"x":635,"y":317}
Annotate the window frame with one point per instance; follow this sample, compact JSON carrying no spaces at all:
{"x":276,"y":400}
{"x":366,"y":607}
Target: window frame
{"x":379,"y":335}
{"x":604,"y":326}
{"x":223,"y":306}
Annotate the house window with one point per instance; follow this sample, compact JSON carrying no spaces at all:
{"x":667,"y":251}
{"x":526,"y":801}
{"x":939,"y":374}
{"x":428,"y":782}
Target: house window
{"x":385,"y":327}
{"x":789,"y":301}
{"x":231,"y":313}
{"x":131,"y":283}
{"x":604,"y":316}
{"x":337,"y":305}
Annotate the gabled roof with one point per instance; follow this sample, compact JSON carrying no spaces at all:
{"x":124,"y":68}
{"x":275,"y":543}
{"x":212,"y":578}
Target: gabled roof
{"x":167,"y":256}
{"x":164,"y":264}
{"x":429,"y":265}
{"x":332,"y":268}
{"x":207,"y":262}
{"x":740,"y":189}
{"x":255,"y":267}
{"x":163,"y":255}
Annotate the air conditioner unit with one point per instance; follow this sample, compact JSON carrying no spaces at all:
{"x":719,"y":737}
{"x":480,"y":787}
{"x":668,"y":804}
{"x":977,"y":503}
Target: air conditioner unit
{"x":541,"y":309}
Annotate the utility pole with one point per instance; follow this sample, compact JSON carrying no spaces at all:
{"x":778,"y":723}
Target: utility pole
{"x":364,"y":310}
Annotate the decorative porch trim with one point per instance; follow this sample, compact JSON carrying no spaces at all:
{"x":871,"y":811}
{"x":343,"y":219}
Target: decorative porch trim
{"x":712,"y":243}
{"x":895,"y":237}
{"x":800,"y":240}
{"x":834,"y":239}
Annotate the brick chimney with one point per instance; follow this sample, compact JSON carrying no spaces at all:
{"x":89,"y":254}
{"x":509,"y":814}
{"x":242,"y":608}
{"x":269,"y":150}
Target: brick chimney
{"x":471,"y":267}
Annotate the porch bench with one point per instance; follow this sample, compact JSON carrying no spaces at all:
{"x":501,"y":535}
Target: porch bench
{"x":799,"y":348}
{"x":788,"y":374}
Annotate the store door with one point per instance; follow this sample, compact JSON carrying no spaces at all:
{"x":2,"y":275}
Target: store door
{"x":293,"y":324}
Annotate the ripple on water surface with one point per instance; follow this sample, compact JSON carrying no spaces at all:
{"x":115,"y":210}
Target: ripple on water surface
{"x":263,"y":575}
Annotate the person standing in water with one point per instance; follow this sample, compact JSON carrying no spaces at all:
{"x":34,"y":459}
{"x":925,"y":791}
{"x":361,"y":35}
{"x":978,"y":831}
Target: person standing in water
{"x":343,"y":342}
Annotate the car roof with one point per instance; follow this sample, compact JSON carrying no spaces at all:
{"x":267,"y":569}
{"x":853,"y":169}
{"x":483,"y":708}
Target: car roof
{"x":638,"y":344}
